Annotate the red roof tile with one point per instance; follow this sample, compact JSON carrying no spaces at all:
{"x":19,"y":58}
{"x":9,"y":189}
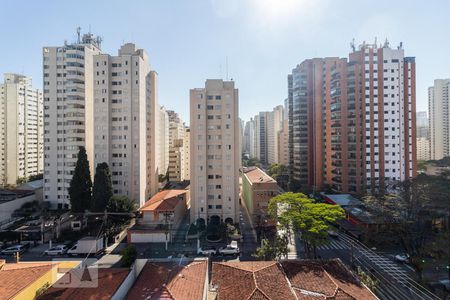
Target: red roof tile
{"x":250,"y":280}
{"x":14,"y":280}
{"x":163,"y":201}
{"x":168,"y":280}
{"x":109,"y":280}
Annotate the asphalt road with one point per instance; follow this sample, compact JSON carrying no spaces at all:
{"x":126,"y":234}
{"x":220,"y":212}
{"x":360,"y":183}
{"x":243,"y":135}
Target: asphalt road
{"x":396,"y":280}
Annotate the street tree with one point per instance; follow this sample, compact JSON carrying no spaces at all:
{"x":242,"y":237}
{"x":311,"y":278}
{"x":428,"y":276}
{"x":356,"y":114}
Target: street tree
{"x":102,"y":190}
{"x":121,"y":204}
{"x":274,"y":249}
{"x":298,"y":213}
{"x":80,"y":190}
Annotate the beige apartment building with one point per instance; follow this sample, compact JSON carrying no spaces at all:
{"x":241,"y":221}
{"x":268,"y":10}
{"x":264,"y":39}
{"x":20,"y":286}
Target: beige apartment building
{"x":187,"y":153}
{"x":177,"y":153}
{"x":21,"y":129}
{"x":274,"y":125}
{"x":439,"y":111}
{"x":106,"y":104}
{"x":215,"y":153}
{"x":122,"y":120}
{"x":68,"y":113}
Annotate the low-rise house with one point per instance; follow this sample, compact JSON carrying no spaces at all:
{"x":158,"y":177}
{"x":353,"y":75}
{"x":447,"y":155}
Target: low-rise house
{"x":103,"y":284}
{"x":257,"y":190}
{"x":26,"y":280}
{"x":172,"y":279}
{"x":292,"y":279}
{"x":161,"y":215}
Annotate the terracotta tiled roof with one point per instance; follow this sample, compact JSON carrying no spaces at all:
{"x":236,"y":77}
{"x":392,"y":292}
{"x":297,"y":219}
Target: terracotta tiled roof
{"x":168,"y":280}
{"x":109,"y":280}
{"x":330,"y":279}
{"x":302,"y":279}
{"x":163,"y":201}
{"x":250,"y":280}
{"x":256,"y":175}
{"x":14,"y":280}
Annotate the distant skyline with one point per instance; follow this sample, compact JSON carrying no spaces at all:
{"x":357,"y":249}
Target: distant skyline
{"x":189,"y":41}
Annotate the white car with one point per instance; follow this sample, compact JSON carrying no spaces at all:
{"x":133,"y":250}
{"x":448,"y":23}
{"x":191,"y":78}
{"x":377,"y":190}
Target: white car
{"x":403,"y":258}
{"x":14,"y":249}
{"x":229,"y":250}
{"x":57,"y":250}
{"x":332,"y":233}
{"x":207,"y":251}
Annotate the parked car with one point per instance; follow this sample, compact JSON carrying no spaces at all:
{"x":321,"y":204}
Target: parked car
{"x":233,"y":244}
{"x":333,"y":233}
{"x":402,"y":258}
{"x":229,"y":250}
{"x":15,"y":249}
{"x":56,"y":250}
{"x":206,"y":251}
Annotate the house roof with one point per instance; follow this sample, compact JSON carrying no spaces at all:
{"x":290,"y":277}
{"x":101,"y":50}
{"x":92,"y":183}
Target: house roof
{"x":163,"y":201}
{"x":16,"y":277}
{"x":293,"y":279}
{"x":169,"y":280}
{"x":324,"y":280}
{"x":256,"y":175}
{"x":250,"y":280}
{"x":109,"y":280}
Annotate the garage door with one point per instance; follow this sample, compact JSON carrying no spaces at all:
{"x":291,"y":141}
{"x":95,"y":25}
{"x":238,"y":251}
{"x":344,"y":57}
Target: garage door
{"x":149,"y":237}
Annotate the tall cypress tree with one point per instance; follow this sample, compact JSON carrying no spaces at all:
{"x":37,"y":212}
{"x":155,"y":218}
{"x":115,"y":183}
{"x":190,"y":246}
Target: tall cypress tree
{"x":80,"y":190}
{"x":102,"y":191}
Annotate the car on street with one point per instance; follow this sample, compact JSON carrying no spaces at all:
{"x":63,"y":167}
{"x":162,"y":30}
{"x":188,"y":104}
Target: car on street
{"x":332,"y":233}
{"x":402,"y":258}
{"x":56,"y":250}
{"x":14,"y":249}
{"x":229,"y":250}
{"x":207,"y":251}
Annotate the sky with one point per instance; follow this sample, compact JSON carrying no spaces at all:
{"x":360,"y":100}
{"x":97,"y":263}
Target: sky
{"x":262,"y":40}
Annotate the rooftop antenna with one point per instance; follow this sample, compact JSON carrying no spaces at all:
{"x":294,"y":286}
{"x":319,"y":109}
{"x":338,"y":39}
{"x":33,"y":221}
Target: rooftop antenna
{"x":375,"y":42}
{"x":352,"y":44}
{"x":226,"y":60}
{"x":89,"y":28}
{"x":78,"y":34}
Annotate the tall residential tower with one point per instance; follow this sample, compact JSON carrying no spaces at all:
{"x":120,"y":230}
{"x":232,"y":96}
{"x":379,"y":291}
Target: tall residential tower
{"x":215,"y":153}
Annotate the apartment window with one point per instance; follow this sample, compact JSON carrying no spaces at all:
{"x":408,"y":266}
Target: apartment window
{"x":218,"y":97}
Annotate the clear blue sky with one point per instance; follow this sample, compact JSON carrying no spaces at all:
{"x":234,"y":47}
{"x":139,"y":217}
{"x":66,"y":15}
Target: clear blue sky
{"x":188,"y":41}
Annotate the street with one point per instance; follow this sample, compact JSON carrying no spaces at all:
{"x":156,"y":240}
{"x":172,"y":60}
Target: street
{"x":395,"y":279}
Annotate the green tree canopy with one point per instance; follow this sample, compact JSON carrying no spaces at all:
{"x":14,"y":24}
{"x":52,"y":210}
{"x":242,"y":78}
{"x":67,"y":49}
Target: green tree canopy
{"x":296,"y":212}
{"x":121,"y":204}
{"x":102,"y":190}
{"x":80,"y":190}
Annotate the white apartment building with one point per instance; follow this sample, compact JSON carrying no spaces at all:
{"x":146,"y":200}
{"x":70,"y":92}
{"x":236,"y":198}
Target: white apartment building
{"x":123,"y":108}
{"x":215,"y":153}
{"x":389,"y":113}
{"x":68,"y":113}
{"x":439,"y":122}
{"x":21,"y":129}
{"x":177,"y":152}
{"x":162,"y":141}
{"x":274,"y":125}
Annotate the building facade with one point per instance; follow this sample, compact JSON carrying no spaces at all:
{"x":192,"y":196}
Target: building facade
{"x":215,"y":153}
{"x":68,"y":113}
{"x":274,"y":125}
{"x":257,"y":190}
{"x":352,"y":123}
{"x":21,"y":129}
{"x":439,"y":122}
{"x":122,"y":116}
{"x":177,"y":158}
{"x":162,"y":141}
